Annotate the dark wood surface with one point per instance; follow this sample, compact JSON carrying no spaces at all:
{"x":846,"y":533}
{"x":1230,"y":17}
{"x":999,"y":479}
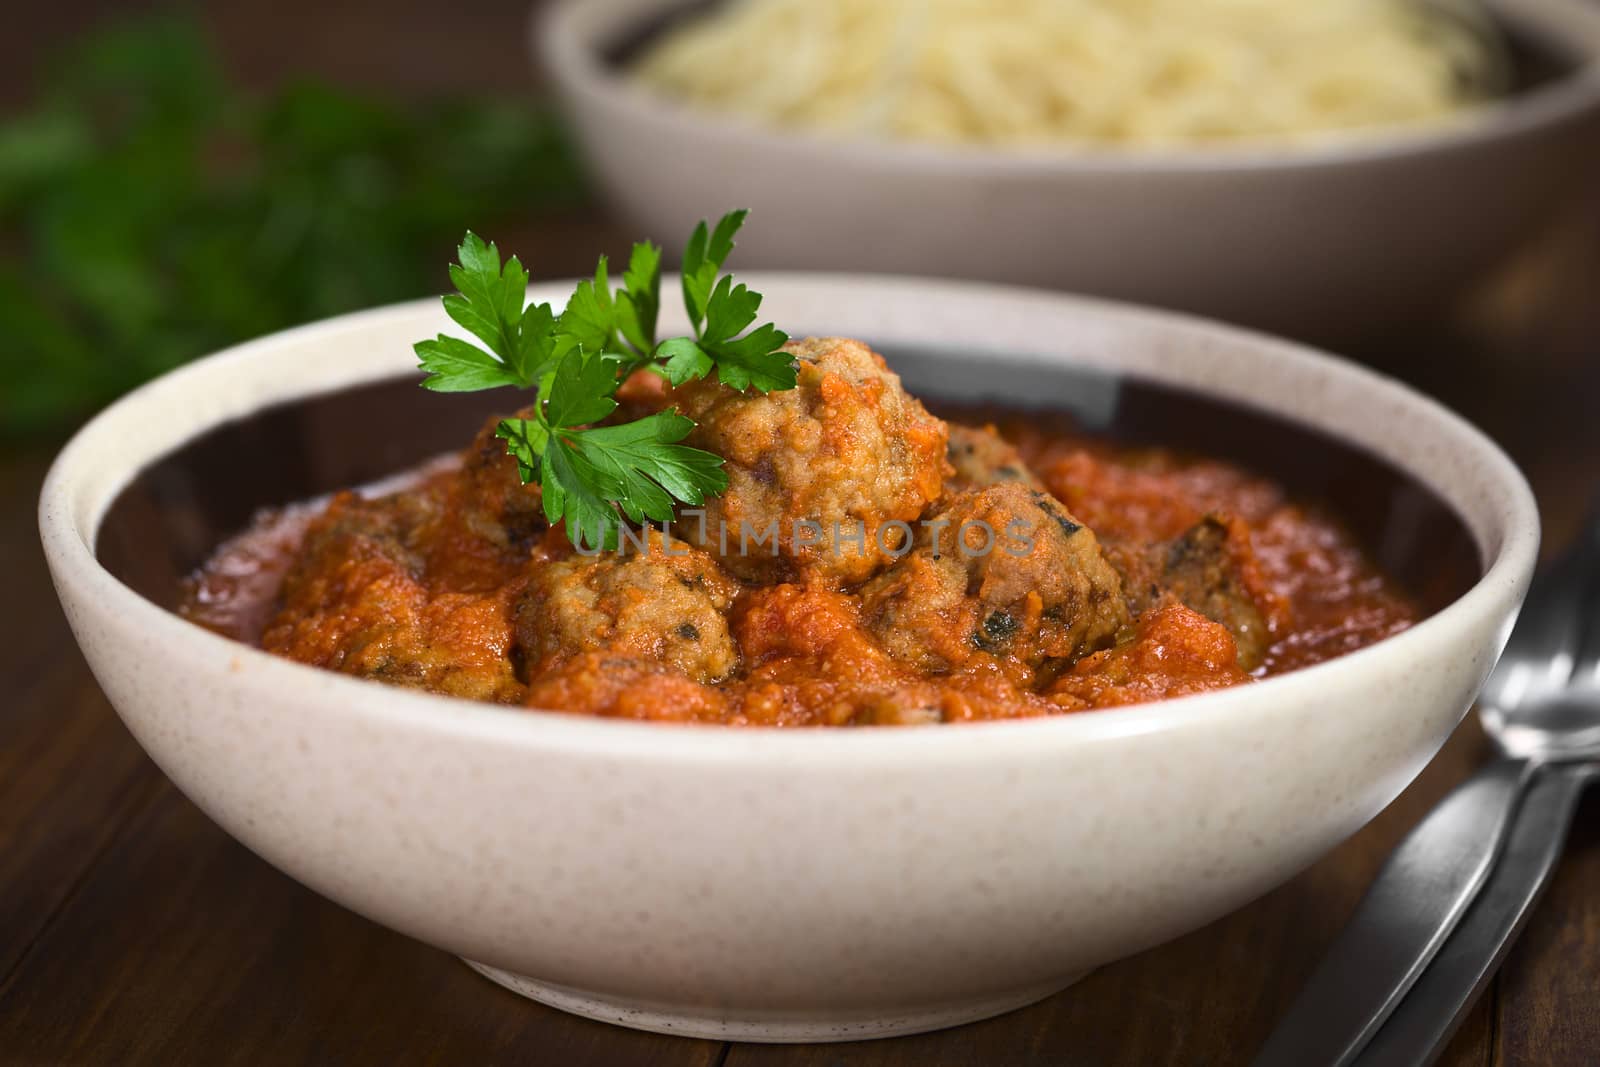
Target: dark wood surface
{"x":132,"y":930}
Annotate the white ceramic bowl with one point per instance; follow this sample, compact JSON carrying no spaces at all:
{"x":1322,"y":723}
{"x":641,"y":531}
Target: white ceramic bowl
{"x":795,"y":885}
{"x":1286,"y":238}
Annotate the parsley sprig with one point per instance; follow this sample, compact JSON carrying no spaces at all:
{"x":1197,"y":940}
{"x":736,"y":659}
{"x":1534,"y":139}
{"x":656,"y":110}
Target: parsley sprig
{"x":594,"y":476}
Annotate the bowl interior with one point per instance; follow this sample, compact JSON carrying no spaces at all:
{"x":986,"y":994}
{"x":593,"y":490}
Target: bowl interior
{"x":178,"y":509}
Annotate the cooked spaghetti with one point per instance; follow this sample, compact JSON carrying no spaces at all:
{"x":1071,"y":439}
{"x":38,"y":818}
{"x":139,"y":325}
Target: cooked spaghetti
{"x":1094,"y":72}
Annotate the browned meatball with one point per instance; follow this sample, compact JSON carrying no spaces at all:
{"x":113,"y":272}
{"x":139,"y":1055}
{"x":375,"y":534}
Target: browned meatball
{"x":355,"y":601}
{"x":981,"y":457}
{"x":1003,"y":570}
{"x":666,"y":604}
{"x":491,"y":501}
{"x":846,"y":451}
{"x":1204,"y":570}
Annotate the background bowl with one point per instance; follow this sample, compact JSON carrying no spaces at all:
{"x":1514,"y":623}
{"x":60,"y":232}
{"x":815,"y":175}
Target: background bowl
{"x":1337,"y":242}
{"x":788,"y":885}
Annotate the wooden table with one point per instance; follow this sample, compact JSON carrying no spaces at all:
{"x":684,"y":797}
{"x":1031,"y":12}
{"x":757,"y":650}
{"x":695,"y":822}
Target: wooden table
{"x":136,"y":931}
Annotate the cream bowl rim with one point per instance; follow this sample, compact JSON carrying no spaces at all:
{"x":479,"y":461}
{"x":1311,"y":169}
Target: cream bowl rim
{"x":75,"y":498}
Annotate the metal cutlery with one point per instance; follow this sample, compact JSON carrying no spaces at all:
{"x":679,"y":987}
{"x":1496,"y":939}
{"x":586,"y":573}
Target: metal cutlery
{"x":1541,"y":708}
{"x":1423,"y":1023}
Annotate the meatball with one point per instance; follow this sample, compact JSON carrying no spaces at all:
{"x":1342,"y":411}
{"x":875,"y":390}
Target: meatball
{"x":981,"y":457}
{"x":490,"y":498}
{"x":1004,"y":570}
{"x":665,"y":604}
{"x":820,"y":477}
{"x":485,"y":524}
{"x":1205,"y":570}
{"x":355,"y":601}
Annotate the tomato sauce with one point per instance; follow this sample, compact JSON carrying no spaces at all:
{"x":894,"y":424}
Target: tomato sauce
{"x":453,"y":584}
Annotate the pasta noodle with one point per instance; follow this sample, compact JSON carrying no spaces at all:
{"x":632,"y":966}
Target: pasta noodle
{"x":1109,"y":72}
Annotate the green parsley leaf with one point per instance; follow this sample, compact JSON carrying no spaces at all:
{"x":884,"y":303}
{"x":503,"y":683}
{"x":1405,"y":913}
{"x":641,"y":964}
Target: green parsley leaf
{"x":730,"y":309}
{"x":685,"y":360}
{"x":589,"y":321}
{"x":577,"y":491}
{"x":644,"y":458}
{"x":455,"y":366}
{"x":756,"y":361}
{"x":702,"y":260}
{"x":488,"y":302}
{"x":525,"y":441}
{"x":752,"y":361}
{"x":639,"y":305}
{"x":581,"y":391}
{"x":594,"y":477}
{"x":537,"y":344}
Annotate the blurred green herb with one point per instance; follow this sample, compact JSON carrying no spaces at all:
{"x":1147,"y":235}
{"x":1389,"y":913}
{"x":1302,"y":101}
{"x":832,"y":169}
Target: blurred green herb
{"x":150,"y":211}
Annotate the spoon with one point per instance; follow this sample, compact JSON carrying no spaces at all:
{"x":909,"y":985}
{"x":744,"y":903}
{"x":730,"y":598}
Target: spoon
{"x":1425,"y":1021}
{"x":1540,"y":706}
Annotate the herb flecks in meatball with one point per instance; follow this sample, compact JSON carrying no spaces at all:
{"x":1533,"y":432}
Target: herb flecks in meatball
{"x":666,"y":604}
{"x":1208,"y":569}
{"x":1005,"y":571}
{"x":822,"y":477}
{"x":980,"y":457}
